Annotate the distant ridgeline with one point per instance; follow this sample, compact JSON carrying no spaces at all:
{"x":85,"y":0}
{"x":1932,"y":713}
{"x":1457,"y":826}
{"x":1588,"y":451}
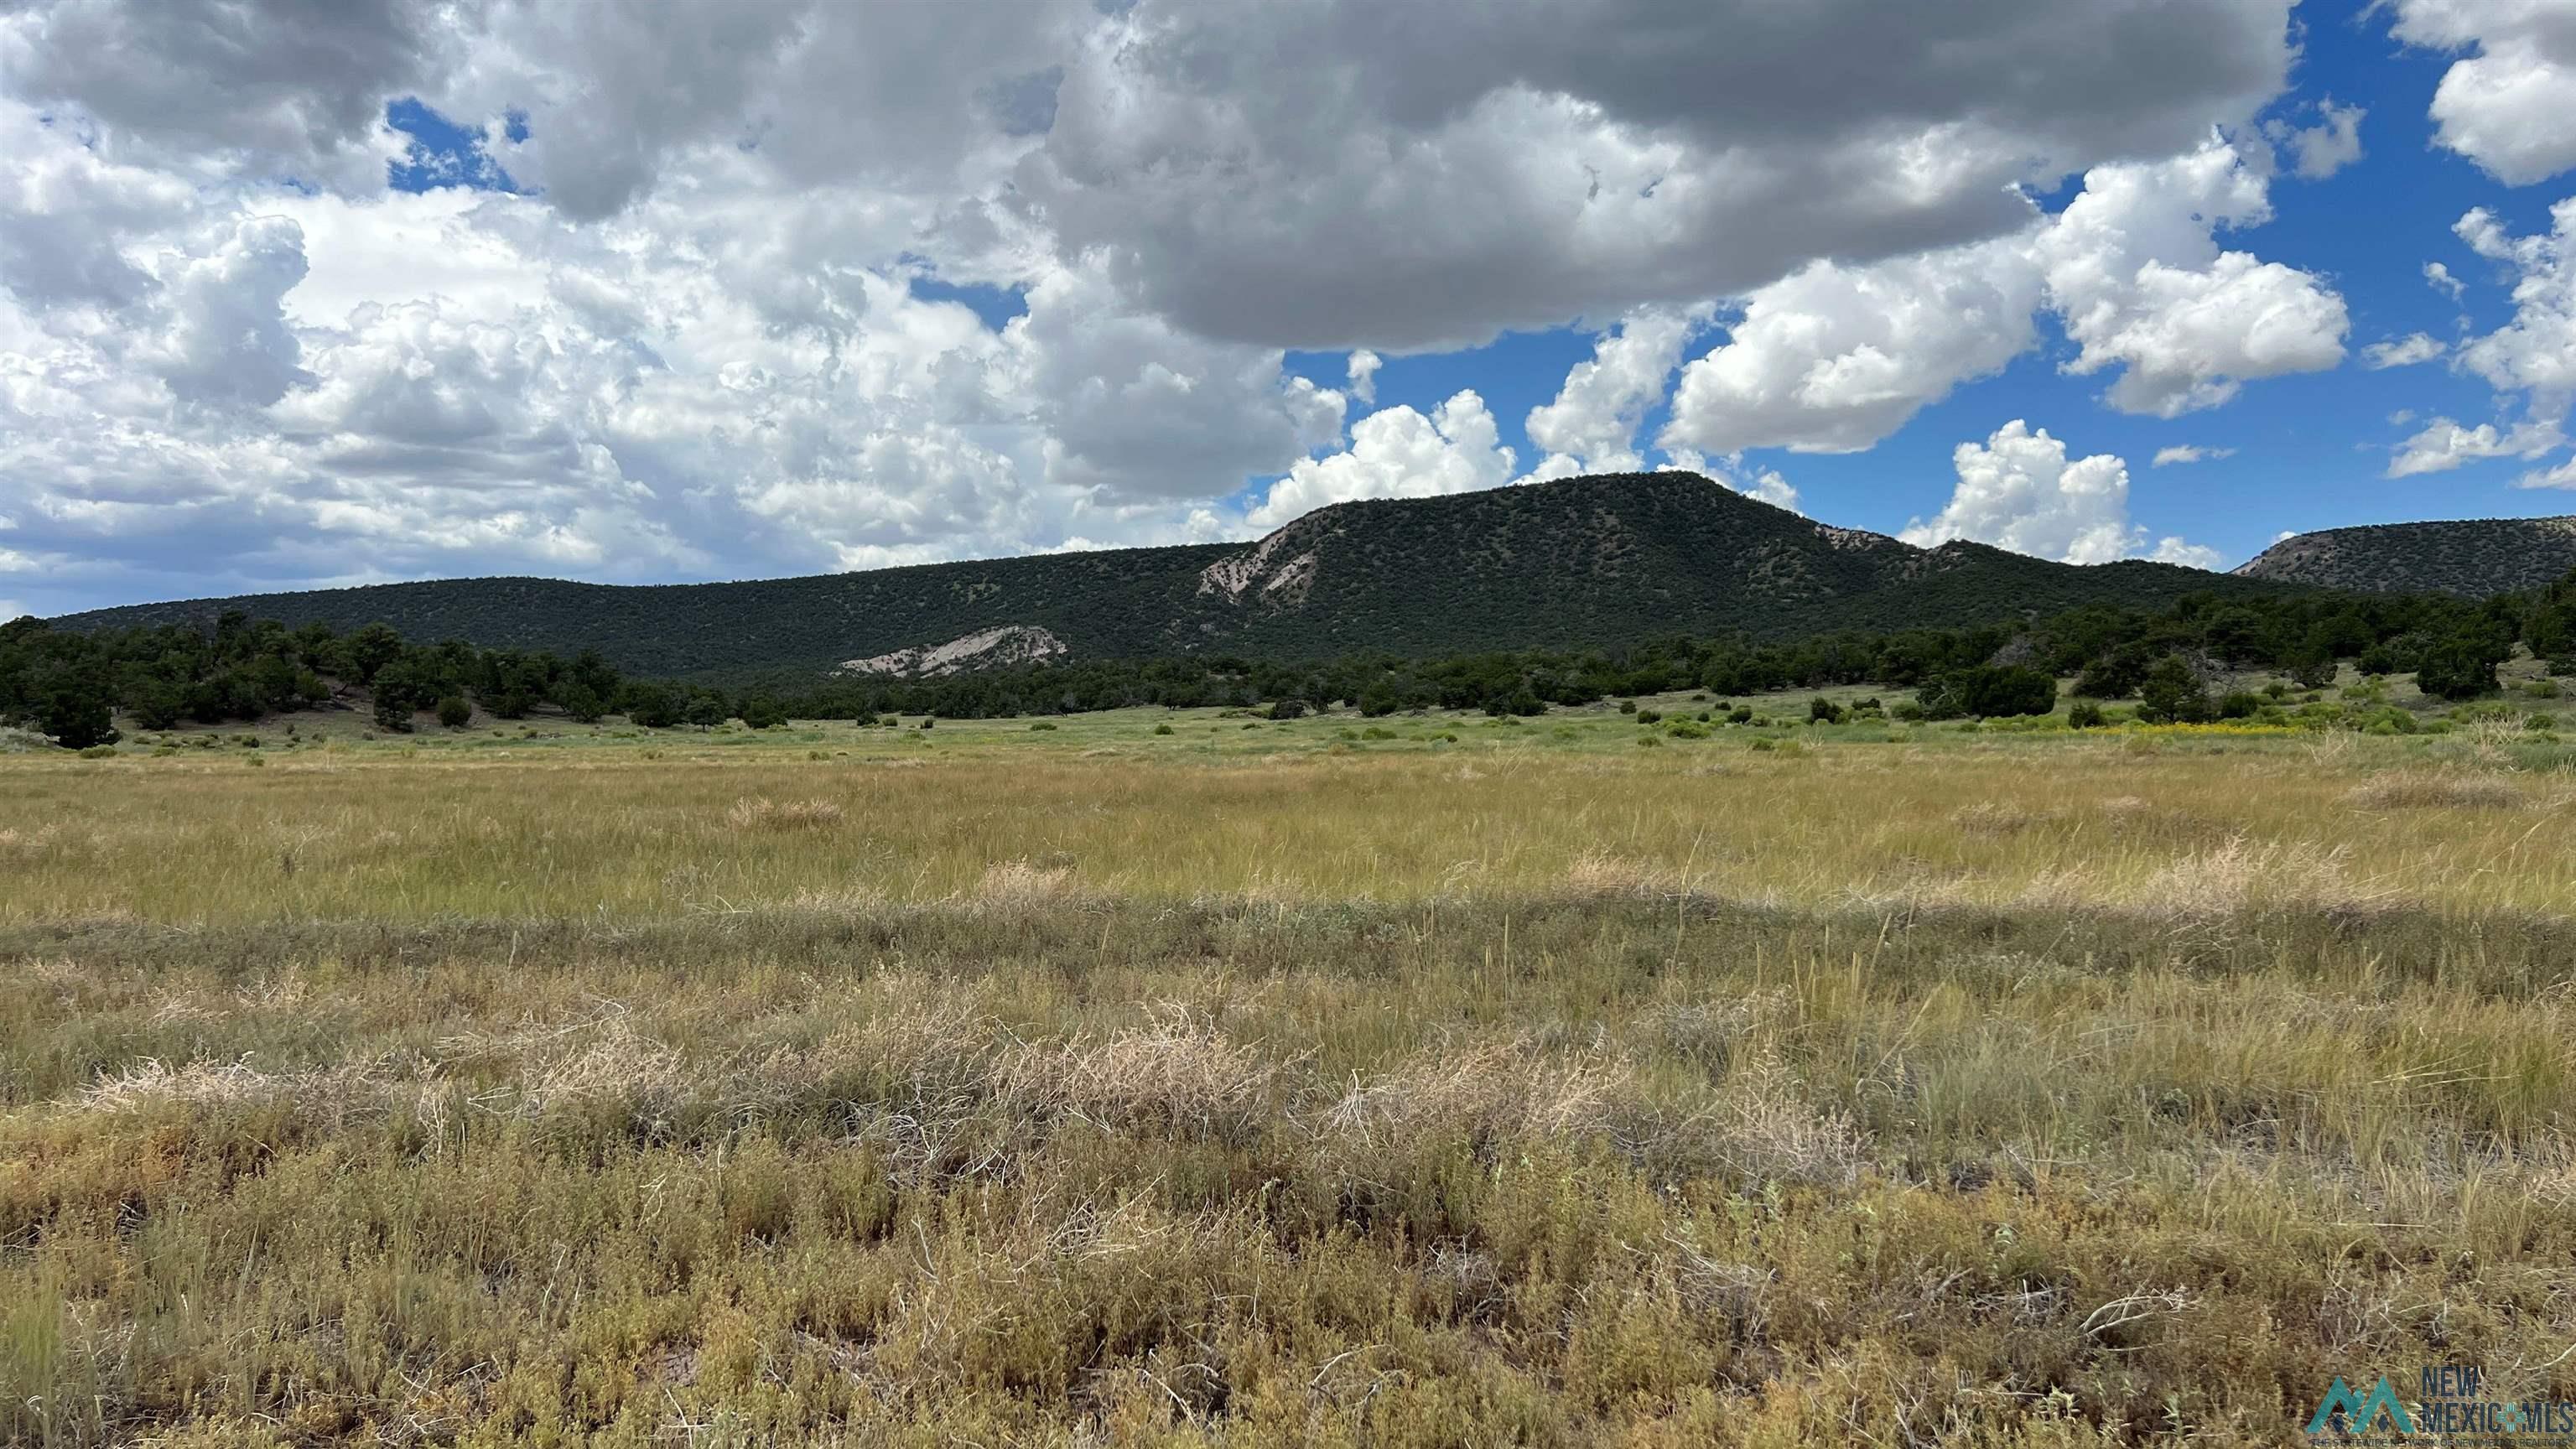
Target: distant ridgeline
{"x":2470,"y":557}
{"x":1581,"y":563}
{"x":73,"y":684}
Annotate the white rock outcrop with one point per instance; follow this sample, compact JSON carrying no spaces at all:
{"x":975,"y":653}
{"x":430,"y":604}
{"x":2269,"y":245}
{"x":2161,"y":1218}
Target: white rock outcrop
{"x":983,"y":649}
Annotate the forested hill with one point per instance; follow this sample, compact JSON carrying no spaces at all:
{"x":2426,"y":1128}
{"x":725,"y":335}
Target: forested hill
{"x":1573,"y":563}
{"x":1113,"y":600}
{"x":2473,"y":558}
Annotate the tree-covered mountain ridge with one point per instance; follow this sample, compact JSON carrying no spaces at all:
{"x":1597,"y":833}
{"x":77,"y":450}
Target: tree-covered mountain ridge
{"x":2471,"y":557}
{"x":1571,"y":563}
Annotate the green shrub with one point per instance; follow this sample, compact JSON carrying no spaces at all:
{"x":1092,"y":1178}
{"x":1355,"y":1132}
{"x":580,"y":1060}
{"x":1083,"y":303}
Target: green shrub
{"x":2313,"y":669}
{"x":2172,"y":693}
{"x":2458,"y":668}
{"x":2238,"y":704}
{"x":1036,"y":725}
{"x":1162,"y":729}
{"x":1687,"y":730}
{"x":454,"y":713}
{"x":2085,"y":715}
{"x":1821,"y":710}
{"x":1990,"y":691}
{"x":2116,"y":675}
{"x":1741,"y":714}
{"x":1650,"y":716}
{"x":98,"y":752}
{"x":78,"y":713}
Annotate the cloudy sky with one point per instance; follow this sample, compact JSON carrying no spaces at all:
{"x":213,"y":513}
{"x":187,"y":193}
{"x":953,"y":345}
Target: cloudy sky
{"x":317,"y":292}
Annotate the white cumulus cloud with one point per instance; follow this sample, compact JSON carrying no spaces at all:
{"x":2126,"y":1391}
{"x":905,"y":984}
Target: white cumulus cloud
{"x":1396,"y":452}
{"x":1591,"y":425}
{"x":2444,"y":444}
{"x":2504,"y":105}
{"x":2562,"y":476}
{"x":2019,"y":490}
{"x":1363,"y":374}
{"x":2530,"y":361}
{"x":2403,"y":351}
{"x":2536,"y":351}
{"x":1834,"y":358}
{"x":2321,"y":150}
{"x":2135,"y":270}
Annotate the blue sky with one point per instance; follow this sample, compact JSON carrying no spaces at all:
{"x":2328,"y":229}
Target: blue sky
{"x":788,"y":286}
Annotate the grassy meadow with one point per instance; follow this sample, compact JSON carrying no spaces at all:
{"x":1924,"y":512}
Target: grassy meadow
{"x":1188,"y":1078}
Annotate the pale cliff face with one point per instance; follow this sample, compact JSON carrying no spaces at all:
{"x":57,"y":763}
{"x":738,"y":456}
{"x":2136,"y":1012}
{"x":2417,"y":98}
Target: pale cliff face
{"x":983,"y":649}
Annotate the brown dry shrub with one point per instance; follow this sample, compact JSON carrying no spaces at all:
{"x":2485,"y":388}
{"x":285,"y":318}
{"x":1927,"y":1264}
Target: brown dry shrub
{"x":1762,"y":1129}
{"x":1709,"y":1034}
{"x":2240,"y":875}
{"x":765,"y":814}
{"x":330,"y":1097}
{"x":613,"y":1065}
{"x":1602,"y":876}
{"x":1486,"y":1095}
{"x":1994,"y":818}
{"x":1180,"y":1077}
{"x":1018,"y":885}
{"x":2436,"y":792}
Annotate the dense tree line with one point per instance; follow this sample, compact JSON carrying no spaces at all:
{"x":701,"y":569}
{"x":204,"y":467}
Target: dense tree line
{"x":2454,"y":644}
{"x":71,"y":685}
{"x":68,"y":685}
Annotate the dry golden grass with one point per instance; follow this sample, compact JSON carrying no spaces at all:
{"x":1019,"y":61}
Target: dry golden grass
{"x":2000,"y":1093}
{"x":2425,"y":791}
{"x":766,"y":814}
{"x":392,"y":839}
{"x":1016,"y":885}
